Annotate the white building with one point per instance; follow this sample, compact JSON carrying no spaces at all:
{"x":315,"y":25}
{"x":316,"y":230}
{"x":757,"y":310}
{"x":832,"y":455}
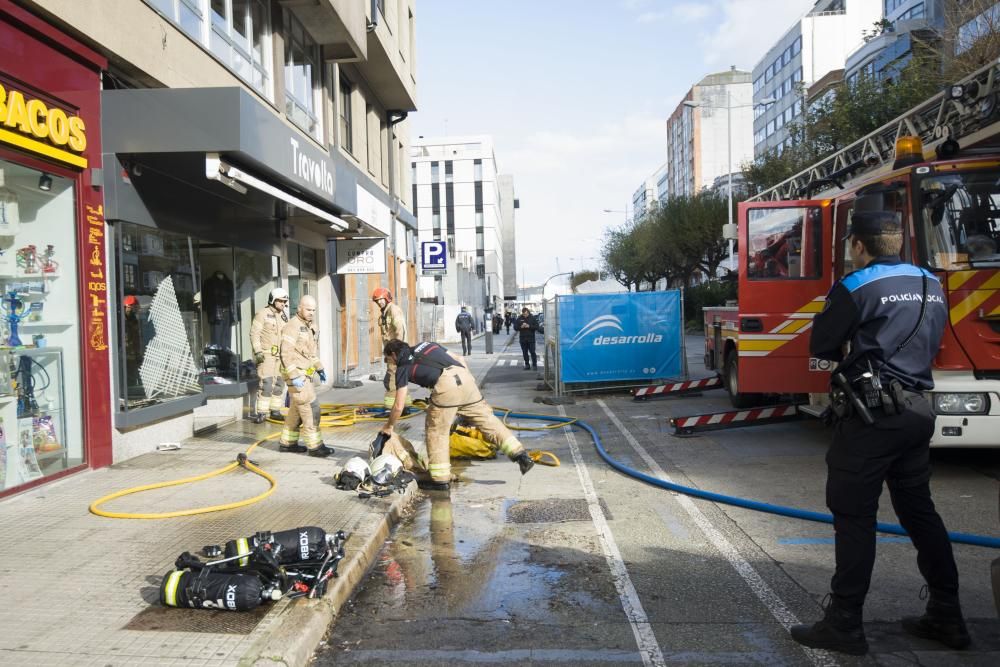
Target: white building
{"x":816,"y":44}
{"x":698,"y":136}
{"x":508,"y":204}
{"x":653,"y":189}
{"x":884,"y":56}
{"x":457,"y":200}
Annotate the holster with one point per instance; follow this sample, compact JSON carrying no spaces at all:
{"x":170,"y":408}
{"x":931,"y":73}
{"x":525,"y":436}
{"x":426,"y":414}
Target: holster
{"x":845,"y":402}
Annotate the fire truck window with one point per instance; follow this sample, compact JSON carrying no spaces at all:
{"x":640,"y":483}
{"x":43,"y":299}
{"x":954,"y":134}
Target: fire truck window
{"x":784,"y":243}
{"x":960,"y":220}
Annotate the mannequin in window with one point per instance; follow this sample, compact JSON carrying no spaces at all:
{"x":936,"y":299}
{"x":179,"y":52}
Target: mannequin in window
{"x":217,"y":305}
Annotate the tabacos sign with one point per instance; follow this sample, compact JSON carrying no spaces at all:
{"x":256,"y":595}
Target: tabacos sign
{"x":33,"y":125}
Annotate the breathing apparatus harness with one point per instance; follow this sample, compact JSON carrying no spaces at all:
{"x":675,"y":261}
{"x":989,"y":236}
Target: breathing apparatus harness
{"x":422,"y":358}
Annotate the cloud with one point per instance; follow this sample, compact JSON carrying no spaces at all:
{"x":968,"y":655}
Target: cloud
{"x":740,"y":37}
{"x":683,"y":12}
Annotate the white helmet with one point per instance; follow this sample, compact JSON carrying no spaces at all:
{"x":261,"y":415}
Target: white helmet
{"x":354,"y":473}
{"x":277,"y":293}
{"x":384,"y":469}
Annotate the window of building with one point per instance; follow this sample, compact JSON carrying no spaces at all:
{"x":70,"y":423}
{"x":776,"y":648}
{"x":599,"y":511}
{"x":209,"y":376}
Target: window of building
{"x":302,"y":77}
{"x":346,"y":126}
{"x":797,"y":75}
{"x":449,"y":174}
{"x":435,"y":172}
{"x":784,"y":243}
{"x":797,"y":46}
{"x":982,"y":25}
{"x":40,"y":409}
{"x":758,"y":84}
{"x":371,"y":146}
{"x":239,"y":34}
{"x":477,"y":166}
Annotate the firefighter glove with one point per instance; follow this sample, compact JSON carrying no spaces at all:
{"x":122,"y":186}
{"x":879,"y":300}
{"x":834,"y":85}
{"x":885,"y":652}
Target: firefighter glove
{"x":258,"y":357}
{"x":299,"y":382}
{"x":322,"y":375}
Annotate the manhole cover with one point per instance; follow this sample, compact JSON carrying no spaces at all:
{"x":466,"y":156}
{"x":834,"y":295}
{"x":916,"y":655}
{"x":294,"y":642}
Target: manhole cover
{"x":169,"y":619}
{"x":224,"y":436}
{"x":554,"y":510}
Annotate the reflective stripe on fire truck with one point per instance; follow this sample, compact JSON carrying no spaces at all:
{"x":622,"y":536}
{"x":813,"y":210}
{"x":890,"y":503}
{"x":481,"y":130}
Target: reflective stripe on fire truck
{"x":761,"y":345}
{"x":982,"y":286}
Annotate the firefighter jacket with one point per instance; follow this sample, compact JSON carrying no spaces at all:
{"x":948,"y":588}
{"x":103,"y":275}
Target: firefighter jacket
{"x":392,"y":323}
{"x":423,"y":364}
{"x":876,"y":309}
{"x":265,"y":332}
{"x":299,"y":349}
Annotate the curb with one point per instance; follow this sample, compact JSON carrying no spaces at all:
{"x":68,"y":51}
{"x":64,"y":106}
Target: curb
{"x":301,"y":625}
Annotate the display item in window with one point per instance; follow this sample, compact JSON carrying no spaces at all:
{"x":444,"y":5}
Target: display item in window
{"x":168,"y":368}
{"x":217,"y":295}
{"x":49,"y":265}
{"x":10,"y":216}
{"x":265,"y":342}
{"x":27,"y":260}
{"x":15,"y":311}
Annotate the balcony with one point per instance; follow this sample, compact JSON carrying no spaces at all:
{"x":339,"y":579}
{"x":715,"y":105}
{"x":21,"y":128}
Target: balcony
{"x":339,"y":26}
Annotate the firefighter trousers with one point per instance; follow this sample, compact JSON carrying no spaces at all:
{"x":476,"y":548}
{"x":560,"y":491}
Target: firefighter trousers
{"x":390,"y":384}
{"x":456,"y":394}
{"x":895,"y":450}
{"x":302,"y":420}
{"x":270,"y":395}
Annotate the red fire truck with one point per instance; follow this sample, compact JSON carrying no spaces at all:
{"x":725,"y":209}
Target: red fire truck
{"x":938,"y":167}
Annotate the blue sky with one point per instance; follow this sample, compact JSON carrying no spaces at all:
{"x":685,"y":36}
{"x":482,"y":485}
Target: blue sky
{"x":576,"y":94}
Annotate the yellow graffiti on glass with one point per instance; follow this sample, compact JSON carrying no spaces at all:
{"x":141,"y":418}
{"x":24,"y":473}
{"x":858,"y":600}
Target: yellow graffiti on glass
{"x":30,"y":124}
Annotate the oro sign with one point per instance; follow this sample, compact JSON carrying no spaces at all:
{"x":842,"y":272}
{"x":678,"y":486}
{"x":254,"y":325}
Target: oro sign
{"x":366,"y":255}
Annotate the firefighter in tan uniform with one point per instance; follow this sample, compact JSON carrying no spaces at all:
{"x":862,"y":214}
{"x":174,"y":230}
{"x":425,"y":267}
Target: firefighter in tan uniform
{"x":299,"y":363}
{"x":453,"y":392}
{"x":265,"y":341}
{"x":392,"y":326}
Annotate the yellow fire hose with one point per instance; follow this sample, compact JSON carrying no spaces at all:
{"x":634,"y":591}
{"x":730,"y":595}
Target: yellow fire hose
{"x":332,"y":415}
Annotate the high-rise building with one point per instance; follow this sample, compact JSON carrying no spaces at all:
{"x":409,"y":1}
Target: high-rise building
{"x":700,"y":143}
{"x":908,"y":23}
{"x":458,"y":200}
{"x":509,"y":203}
{"x":814,"y":45}
{"x":653,"y":189}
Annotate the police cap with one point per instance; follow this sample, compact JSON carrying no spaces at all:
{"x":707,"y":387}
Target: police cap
{"x":873,"y":223}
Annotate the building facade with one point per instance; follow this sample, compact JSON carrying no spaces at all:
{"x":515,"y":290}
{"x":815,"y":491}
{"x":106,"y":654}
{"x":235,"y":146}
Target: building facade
{"x":230,"y":146}
{"x":652,"y":190}
{"x":700,"y":145}
{"x":457,"y":195}
{"x":509,"y":204}
{"x":908,"y":24}
{"x":816,"y":44}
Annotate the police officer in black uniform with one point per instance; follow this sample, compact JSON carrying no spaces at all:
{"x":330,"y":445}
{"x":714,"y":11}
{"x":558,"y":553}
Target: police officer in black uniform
{"x":883,"y":323}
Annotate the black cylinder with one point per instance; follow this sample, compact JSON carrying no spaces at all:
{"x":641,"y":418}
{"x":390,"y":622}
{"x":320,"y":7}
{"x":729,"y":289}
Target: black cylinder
{"x":291,"y":546}
{"x":209,"y":590}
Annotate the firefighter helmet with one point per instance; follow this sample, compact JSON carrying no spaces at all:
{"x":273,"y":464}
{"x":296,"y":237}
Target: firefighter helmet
{"x":275,"y":294}
{"x":354,"y":473}
{"x":381,"y":293}
{"x":130,"y":300}
{"x":385,"y":468}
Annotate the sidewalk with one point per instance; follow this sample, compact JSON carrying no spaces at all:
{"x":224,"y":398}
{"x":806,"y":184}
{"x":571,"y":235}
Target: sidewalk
{"x":83,"y":590}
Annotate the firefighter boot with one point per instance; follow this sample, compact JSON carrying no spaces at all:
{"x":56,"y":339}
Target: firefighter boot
{"x":277,"y":416}
{"x":941,"y":622}
{"x":523,"y":462}
{"x":293,"y":448}
{"x":839,"y":630}
{"x":256,"y":417}
{"x":321,"y":452}
{"x":431,"y":485}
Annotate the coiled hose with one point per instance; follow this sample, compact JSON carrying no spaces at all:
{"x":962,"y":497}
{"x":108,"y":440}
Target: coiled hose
{"x":756,"y":505}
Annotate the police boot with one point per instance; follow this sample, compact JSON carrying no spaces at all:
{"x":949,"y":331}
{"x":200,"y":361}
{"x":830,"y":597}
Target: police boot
{"x":523,"y":462}
{"x":321,"y":452}
{"x":839,"y":630}
{"x":941,"y":622}
{"x":293,"y":448}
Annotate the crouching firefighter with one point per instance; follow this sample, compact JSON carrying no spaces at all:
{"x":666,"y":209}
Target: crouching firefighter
{"x":300,"y":364}
{"x":453,"y":392}
{"x":883,"y":323}
{"x":265,"y":339}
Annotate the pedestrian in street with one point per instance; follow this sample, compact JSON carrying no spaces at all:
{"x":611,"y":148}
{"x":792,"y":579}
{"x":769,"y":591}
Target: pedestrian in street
{"x":526,"y":325}
{"x":507,"y":320}
{"x":453,"y":393}
{"x":464,"y":325}
{"x":392,"y":326}
{"x":885,"y":347}
{"x":497,"y":323}
{"x":265,"y":341}
{"x":300,"y":365}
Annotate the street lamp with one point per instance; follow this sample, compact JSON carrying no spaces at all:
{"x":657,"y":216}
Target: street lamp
{"x":554,"y":275}
{"x":729,"y":145}
{"x":617,"y":210}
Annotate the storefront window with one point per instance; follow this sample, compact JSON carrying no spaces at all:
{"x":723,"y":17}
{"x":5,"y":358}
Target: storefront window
{"x":302,"y":274}
{"x":187,"y":306}
{"x":41,"y":422}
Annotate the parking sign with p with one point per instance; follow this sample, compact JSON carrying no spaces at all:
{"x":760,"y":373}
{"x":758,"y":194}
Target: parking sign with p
{"x":434,"y":257}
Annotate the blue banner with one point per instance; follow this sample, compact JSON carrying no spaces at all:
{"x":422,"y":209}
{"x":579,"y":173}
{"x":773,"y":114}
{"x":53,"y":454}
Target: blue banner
{"x":635,"y":336}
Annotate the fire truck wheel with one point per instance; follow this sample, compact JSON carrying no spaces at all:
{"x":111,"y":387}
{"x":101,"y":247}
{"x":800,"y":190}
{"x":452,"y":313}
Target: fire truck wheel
{"x":732,"y":384}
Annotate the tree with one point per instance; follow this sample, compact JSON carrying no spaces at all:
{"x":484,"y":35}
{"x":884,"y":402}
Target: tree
{"x":581,"y":277}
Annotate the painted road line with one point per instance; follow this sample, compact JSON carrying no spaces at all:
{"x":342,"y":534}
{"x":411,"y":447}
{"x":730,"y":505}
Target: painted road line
{"x":764,"y":593}
{"x":631,"y":604}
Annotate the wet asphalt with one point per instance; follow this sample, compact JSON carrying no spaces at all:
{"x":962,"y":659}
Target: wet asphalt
{"x":581,"y":565}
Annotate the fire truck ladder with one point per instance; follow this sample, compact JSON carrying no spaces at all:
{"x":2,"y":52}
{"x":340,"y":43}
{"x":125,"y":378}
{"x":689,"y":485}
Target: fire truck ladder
{"x":714,"y":421}
{"x":958,"y":117}
{"x":676,"y":389}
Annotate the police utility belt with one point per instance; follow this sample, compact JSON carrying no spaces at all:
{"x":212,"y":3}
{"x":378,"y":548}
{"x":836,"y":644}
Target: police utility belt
{"x":867,"y":392}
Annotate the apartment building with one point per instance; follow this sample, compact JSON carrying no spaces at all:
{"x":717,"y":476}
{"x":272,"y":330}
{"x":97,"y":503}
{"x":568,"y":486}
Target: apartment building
{"x":171,"y":162}
{"x":653,"y":189}
{"x":509,"y":203}
{"x":816,"y":44}
{"x":701,"y":145}
{"x":908,"y":25}
{"x":457,"y":198}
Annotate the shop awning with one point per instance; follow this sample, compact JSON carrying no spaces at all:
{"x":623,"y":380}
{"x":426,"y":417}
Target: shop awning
{"x":219,"y":170}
